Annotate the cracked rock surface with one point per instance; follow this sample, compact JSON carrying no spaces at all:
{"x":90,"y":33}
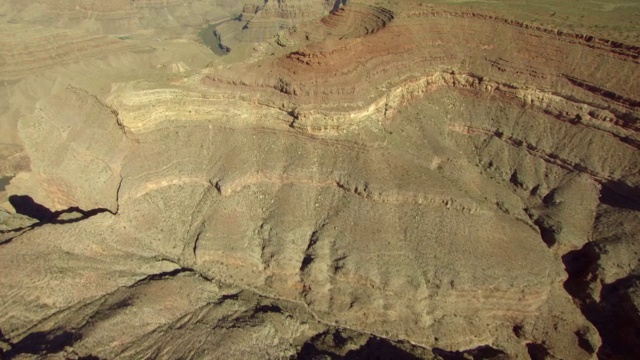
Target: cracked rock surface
{"x":391,"y":179}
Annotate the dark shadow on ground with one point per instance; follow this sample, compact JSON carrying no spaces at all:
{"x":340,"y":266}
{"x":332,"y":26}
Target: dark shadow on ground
{"x":25,"y":205}
{"x":613,"y":314}
{"x":336,"y":5}
{"x":480,"y":353}
{"x":621,"y":195}
{"x":42,"y":343}
{"x":344,"y":344}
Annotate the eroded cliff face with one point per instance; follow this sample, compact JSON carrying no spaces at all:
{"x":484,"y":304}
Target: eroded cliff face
{"x":393,"y":179}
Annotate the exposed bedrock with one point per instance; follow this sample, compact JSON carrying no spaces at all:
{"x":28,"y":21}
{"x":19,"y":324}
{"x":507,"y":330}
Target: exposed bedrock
{"x":76,"y":145}
{"x":407,"y":180}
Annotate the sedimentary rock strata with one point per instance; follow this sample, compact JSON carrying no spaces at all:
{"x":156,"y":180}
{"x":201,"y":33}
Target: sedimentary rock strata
{"x":395,"y":179}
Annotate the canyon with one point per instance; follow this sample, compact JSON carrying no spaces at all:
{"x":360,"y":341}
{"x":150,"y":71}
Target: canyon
{"x":367,"y":179}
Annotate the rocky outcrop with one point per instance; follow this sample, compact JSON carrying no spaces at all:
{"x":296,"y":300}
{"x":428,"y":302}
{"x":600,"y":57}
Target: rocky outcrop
{"x":264,"y":19}
{"x":85,"y":144}
{"x":357,"y":20}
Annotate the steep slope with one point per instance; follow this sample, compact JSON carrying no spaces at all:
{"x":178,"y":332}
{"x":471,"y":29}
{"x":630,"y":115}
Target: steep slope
{"x":410,"y":180}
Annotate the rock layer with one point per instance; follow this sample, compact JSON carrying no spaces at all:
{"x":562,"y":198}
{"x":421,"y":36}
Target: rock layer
{"x":424,"y":181}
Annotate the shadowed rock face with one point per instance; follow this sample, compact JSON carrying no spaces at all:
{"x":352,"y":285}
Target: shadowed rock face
{"x":337,"y":4}
{"x":401,"y":180}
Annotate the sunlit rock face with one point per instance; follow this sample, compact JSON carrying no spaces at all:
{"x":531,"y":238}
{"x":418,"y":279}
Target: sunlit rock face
{"x":404,"y":179}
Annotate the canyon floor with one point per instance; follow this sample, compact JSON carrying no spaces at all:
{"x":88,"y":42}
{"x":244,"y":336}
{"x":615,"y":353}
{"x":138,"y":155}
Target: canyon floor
{"x":381,"y":179}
